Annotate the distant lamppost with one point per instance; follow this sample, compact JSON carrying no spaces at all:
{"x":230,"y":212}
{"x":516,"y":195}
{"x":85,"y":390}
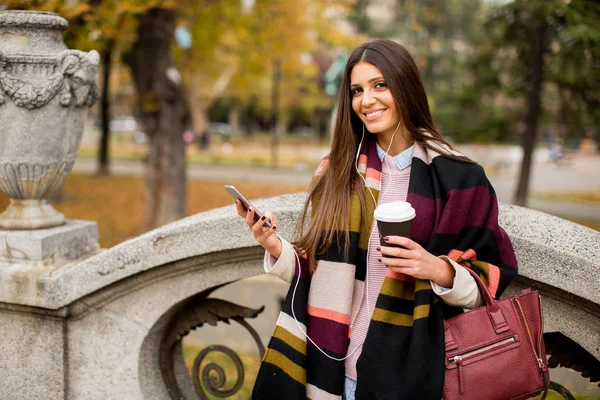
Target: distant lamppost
{"x":275,"y":111}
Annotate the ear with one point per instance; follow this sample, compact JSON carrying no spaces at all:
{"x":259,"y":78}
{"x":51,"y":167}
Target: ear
{"x":69,"y":65}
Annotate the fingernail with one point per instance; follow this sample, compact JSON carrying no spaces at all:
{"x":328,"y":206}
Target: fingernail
{"x":378,"y":248}
{"x":250,"y":210}
{"x":379,"y":259}
{"x":269,"y":220}
{"x":274,"y":228}
{"x":386,"y":238}
{"x":263,"y":218}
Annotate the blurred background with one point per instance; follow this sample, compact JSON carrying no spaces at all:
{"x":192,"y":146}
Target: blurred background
{"x":201,"y":93}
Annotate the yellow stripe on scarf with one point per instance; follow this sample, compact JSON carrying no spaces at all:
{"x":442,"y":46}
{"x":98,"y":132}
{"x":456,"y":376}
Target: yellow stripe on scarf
{"x":292,"y":369}
{"x":421,"y":311}
{"x":290,"y":339}
{"x":355,"y":211}
{"x":394,"y":318}
{"x":397,"y":288}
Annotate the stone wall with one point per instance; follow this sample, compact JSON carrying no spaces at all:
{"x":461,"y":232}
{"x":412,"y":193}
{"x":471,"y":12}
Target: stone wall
{"x":92,"y":329}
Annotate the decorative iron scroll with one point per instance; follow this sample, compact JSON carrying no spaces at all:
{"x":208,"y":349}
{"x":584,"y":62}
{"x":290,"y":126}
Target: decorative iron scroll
{"x":560,"y":389}
{"x":194,"y":314}
{"x":564,"y":352}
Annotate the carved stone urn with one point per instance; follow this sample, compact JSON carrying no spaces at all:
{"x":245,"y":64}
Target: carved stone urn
{"x":45,"y":92}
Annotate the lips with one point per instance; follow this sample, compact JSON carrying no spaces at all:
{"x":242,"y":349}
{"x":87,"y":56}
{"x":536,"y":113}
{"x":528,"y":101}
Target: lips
{"x":371,"y":115}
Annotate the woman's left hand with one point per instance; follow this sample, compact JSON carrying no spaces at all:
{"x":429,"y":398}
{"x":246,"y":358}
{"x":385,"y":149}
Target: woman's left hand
{"x":417,"y":262}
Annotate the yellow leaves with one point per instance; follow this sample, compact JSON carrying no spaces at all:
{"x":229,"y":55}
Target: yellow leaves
{"x":225,"y":37}
{"x":70,"y":13}
{"x":48,"y":6}
{"x":414,"y":25}
{"x":430,"y":14}
{"x":282,"y":31}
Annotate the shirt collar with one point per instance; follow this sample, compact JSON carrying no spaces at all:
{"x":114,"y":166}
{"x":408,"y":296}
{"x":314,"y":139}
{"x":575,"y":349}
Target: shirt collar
{"x":402,"y":160}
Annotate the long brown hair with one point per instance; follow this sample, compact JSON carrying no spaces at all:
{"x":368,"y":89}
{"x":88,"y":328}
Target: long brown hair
{"x":331,"y":193}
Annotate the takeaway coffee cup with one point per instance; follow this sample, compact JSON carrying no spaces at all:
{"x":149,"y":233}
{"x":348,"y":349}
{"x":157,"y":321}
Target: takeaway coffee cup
{"x":394,"y":219}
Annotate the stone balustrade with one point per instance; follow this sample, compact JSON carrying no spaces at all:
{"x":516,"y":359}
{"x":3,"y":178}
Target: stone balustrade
{"x":93,"y":328}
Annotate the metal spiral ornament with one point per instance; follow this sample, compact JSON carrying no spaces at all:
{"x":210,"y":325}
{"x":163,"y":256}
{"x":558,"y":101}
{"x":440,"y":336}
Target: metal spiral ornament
{"x":561,"y":390}
{"x":196,"y":312}
{"x":213,"y":375}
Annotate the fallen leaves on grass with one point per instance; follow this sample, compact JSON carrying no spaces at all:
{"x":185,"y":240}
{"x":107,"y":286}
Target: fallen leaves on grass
{"x":117,"y":203}
{"x":592,"y":198}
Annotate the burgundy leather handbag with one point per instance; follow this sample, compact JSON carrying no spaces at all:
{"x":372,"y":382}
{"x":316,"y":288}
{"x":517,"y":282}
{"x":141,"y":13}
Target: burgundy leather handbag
{"x":496,"y":352}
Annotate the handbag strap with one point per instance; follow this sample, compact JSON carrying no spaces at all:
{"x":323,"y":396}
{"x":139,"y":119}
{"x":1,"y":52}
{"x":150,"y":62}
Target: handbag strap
{"x":485,"y":292}
{"x":494,"y":312}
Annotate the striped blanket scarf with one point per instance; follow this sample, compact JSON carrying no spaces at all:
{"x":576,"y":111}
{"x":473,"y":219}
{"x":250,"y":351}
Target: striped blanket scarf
{"x":403,"y":354}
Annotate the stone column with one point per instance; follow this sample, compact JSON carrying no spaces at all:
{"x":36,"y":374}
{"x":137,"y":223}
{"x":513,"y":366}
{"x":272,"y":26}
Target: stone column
{"x":45,"y":92}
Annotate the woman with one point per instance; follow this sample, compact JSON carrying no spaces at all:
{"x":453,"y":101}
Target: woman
{"x":362,"y":320}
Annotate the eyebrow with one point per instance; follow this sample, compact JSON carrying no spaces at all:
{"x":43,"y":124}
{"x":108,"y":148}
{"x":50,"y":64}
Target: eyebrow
{"x":370,"y":80}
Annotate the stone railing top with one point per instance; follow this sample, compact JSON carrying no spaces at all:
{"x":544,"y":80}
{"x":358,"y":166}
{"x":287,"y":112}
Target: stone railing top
{"x":549,"y":249}
{"x":32,"y":18}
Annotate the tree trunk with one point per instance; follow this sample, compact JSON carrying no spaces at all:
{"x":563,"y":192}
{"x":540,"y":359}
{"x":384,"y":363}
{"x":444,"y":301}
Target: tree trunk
{"x":165,"y":116}
{"x":361,"y":19}
{"x":105,"y":114}
{"x":199,"y":113}
{"x":234,"y":119}
{"x":275,"y":113}
{"x":538,"y":49}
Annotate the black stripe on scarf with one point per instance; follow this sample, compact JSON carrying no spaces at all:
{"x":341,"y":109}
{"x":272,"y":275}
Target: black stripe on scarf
{"x":330,"y":375}
{"x":270,"y":383}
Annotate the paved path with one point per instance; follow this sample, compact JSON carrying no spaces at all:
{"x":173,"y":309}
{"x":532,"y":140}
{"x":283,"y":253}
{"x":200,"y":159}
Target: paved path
{"x":580,"y":173}
{"x":208,"y":172}
{"x":502,"y":163}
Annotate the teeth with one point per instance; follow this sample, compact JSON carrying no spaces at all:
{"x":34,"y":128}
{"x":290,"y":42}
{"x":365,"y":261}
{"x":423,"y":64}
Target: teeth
{"x":374,"y":113}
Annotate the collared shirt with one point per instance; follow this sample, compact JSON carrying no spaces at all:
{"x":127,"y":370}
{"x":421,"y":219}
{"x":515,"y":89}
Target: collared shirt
{"x":402,"y":160}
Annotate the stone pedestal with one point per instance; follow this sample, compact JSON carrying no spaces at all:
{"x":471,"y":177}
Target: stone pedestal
{"x":52,"y":247}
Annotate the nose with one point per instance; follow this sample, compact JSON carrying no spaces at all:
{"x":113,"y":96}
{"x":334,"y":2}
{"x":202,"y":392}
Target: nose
{"x":367,"y":99}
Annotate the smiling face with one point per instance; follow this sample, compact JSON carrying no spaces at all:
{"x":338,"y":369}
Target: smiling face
{"x":373,"y":101}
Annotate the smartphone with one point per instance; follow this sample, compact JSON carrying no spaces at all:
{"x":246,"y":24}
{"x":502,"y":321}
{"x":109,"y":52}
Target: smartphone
{"x":238,"y":196}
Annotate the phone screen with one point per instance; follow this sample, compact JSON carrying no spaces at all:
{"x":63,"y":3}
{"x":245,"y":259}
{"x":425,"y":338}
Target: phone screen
{"x":245,"y":202}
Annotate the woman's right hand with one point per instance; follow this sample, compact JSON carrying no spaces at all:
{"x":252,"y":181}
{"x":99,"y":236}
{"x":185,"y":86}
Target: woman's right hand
{"x":265,"y":236}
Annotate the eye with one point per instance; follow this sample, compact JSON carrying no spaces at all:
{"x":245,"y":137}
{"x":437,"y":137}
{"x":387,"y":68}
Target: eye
{"x":381,"y":85}
{"x":356,"y":91}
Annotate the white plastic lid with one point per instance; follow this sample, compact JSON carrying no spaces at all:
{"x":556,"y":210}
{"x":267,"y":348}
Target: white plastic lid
{"x":396,"y":211}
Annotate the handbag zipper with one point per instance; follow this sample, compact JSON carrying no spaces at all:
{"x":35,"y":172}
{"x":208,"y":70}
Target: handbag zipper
{"x":460,"y":357}
{"x":538,"y":354}
{"x":540,"y":361}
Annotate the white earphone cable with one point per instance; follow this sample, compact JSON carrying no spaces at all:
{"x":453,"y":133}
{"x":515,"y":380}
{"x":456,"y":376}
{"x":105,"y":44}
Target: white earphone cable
{"x":350,"y":353}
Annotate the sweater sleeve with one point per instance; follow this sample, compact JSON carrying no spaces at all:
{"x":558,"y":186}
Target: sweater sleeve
{"x":464,"y":292}
{"x":282,"y":267}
